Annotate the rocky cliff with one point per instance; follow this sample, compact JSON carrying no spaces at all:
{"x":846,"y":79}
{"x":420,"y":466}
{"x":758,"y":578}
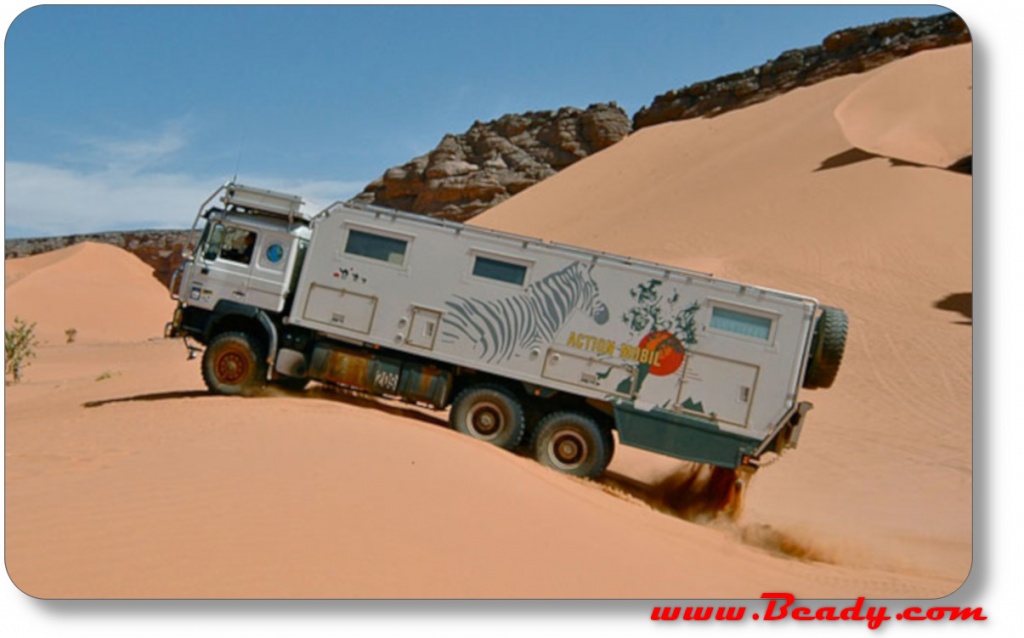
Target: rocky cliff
{"x":847,"y":51}
{"x":468,"y":173}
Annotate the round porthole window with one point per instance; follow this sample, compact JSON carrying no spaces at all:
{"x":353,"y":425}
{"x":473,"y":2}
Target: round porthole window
{"x":274,"y":253}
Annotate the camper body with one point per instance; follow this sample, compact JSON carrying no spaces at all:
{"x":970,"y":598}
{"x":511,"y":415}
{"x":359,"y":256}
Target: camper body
{"x":529,"y":342}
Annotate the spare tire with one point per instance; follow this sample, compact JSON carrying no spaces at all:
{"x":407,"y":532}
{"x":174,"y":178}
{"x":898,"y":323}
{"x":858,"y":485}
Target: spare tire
{"x":827,"y":348}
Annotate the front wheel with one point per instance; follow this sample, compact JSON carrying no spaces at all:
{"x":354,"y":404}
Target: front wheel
{"x":233,"y":364}
{"x":573,"y":443}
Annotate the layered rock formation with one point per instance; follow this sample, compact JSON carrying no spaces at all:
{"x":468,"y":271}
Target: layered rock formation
{"x":847,"y":51}
{"x":468,"y":173}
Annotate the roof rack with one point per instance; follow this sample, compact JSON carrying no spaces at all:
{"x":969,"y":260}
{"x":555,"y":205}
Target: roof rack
{"x":264,"y":201}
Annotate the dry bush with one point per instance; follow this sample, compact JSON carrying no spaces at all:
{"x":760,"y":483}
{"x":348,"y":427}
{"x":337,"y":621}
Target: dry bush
{"x":19,"y":347}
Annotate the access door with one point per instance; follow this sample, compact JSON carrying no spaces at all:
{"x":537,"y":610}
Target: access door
{"x":718,"y":388}
{"x":423,"y":328}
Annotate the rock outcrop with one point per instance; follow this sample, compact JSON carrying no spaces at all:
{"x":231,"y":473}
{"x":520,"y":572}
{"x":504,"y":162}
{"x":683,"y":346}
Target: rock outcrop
{"x":847,"y":51}
{"x":468,"y":173}
{"x":161,"y":249}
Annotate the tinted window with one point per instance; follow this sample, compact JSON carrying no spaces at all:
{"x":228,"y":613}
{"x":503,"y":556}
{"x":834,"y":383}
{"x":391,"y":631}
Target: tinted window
{"x":378,"y":247}
{"x":741,"y":323}
{"x":499,"y":270}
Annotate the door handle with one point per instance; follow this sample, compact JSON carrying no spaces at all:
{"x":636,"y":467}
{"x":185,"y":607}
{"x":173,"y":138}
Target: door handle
{"x":238,"y":293}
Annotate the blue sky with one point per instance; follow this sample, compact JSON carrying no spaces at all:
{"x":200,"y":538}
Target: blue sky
{"x":127,"y":117}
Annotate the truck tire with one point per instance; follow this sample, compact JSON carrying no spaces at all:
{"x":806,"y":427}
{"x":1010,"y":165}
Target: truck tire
{"x":233,"y":364}
{"x":826,"y":349}
{"x":573,"y":443}
{"x":489,"y":413}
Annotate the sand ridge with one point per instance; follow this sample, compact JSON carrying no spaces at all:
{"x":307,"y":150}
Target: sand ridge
{"x":103,"y":292}
{"x":914,"y":111}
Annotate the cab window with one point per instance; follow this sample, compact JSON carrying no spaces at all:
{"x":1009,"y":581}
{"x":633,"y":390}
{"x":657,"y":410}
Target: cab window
{"x":238,"y":245}
{"x":230,"y":244}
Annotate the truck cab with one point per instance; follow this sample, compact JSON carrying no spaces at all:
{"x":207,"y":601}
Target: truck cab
{"x":244,"y":256}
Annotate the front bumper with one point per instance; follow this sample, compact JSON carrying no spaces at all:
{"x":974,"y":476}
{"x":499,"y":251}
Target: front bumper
{"x":173,"y":328}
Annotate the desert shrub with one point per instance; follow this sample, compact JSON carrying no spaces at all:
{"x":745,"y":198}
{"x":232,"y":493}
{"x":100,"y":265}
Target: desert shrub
{"x":71,"y":333}
{"x":19,"y":346}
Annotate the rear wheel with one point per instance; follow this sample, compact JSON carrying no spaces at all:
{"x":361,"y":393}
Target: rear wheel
{"x":489,"y":413}
{"x":573,"y":443}
{"x":233,"y":364}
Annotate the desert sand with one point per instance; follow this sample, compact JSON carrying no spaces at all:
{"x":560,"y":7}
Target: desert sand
{"x":125,"y":479}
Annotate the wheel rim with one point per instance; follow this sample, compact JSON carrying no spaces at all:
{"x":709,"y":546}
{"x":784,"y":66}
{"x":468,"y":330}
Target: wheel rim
{"x":485,"y":420}
{"x":568,"y":450}
{"x":232,"y":367}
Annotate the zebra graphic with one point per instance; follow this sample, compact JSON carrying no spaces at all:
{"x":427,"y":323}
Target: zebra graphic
{"x":499,"y":328}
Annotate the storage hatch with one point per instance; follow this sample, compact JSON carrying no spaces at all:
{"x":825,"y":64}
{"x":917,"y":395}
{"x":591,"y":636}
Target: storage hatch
{"x":340,"y":308}
{"x":718,"y":388}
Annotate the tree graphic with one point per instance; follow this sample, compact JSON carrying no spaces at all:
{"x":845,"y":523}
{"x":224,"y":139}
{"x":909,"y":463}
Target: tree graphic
{"x":666,"y":325}
{"x":654,"y":313}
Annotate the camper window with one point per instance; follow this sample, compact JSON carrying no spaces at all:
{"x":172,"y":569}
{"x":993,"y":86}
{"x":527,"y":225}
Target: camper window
{"x":386,"y":249}
{"x":741,"y":323}
{"x":499,"y":270}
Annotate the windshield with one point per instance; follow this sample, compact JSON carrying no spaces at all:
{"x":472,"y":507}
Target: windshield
{"x":213,"y":236}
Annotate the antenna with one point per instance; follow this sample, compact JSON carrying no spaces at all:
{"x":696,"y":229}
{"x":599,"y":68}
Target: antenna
{"x":238,"y":160}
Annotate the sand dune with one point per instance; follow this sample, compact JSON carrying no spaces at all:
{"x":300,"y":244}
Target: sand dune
{"x":141,"y":485}
{"x":914,"y":111}
{"x":104,"y":292}
{"x":125,"y":479}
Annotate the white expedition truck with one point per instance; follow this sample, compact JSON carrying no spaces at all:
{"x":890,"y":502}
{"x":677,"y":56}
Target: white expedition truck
{"x":529,"y":342}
